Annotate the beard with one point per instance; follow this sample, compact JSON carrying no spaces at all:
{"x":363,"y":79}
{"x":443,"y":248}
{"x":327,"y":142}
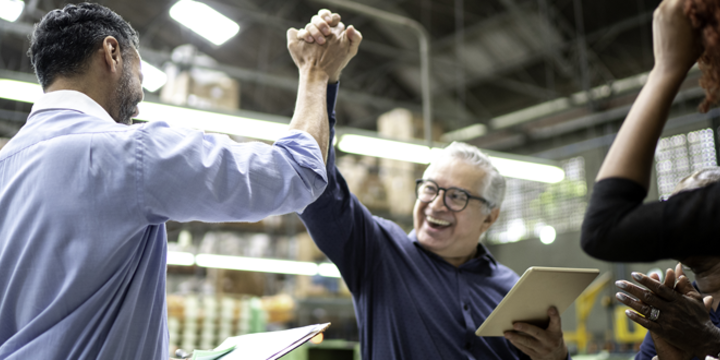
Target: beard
{"x":127,"y":97}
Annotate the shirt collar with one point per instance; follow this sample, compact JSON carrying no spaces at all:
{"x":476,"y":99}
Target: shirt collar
{"x":70,"y":100}
{"x":482,"y":254}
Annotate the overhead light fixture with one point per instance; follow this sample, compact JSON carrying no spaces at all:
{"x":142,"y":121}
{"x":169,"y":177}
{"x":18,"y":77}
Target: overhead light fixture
{"x":466,"y":133}
{"x":533,"y":112}
{"x":397,"y":150}
{"x":527,"y":170}
{"x":153,"y":78}
{"x":204,"y":20}
{"x":210,"y":121}
{"x":328,"y":270}
{"x":19,"y":90}
{"x":256,"y":264}
{"x":271,"y":131}
{"x":10,"y":10}
{"x":179,"y":258}
{"x":388,"y":149}
{"x":174,"y":115}
{"x":274,"y":266}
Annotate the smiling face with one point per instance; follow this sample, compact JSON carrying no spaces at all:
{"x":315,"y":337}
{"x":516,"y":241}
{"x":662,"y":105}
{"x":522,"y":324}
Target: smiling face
{"x":453,"y":235}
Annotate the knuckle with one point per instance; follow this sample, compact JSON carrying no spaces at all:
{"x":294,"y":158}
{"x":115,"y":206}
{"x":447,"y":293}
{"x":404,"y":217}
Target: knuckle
{"x":648,"y":297}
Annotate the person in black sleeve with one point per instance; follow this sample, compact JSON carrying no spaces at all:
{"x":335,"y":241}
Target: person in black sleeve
{"x":698,"y":329}
{"x":619,"y":227}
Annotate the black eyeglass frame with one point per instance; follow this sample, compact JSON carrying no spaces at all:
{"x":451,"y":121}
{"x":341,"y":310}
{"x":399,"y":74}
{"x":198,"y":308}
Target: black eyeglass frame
{"x":418,"y":182}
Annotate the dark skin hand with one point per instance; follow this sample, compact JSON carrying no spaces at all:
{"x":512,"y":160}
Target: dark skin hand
{"x":538,"y":343}
{"x":684,"y":321}
{"x":664,"y":349}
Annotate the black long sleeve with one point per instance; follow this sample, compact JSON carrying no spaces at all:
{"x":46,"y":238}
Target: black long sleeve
{"x":619,"y":227}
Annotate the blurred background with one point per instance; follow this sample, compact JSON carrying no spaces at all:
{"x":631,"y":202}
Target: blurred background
{"x":539,"y":83}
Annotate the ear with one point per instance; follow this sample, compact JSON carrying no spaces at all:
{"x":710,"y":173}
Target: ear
{"x":490,"y":219}
{"x":111,"y":54}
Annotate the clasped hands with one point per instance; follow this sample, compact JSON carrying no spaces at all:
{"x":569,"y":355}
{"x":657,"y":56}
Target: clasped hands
{"x":683,"y":329}
{"x":324,"y":46}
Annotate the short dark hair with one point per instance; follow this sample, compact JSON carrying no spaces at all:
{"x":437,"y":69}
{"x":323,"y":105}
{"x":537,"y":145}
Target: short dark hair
{"x":63,"y":41}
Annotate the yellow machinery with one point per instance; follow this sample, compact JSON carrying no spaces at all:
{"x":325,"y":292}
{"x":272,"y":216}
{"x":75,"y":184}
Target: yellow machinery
{"x":622,"y":325}
{"x":583,"y":306}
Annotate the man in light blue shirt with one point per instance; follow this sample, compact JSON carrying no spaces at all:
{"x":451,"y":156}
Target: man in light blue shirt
{"x":84,"y":197}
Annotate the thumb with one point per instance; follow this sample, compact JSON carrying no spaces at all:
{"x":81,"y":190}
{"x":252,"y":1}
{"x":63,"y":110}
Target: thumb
{"x":708,"y":301}
{"x":353,"y":35}
{"x":291,"y":35}
{"x":555,"y":323}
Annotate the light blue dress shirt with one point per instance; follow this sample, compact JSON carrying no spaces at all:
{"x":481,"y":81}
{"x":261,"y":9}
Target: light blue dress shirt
{"x":83,"y":206}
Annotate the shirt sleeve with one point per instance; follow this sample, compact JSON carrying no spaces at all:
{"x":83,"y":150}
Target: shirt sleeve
{"x":186,"y":175}
{"x":338,"y":223}
{"x":619,"y":227}
{"x":647,"y":349}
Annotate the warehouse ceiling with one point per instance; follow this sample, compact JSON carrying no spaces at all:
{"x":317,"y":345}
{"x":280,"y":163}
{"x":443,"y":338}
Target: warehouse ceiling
{"x":489,"y":58}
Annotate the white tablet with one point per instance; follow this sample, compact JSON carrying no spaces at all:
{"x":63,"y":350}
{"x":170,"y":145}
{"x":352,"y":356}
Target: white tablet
{"x":531,"y":297}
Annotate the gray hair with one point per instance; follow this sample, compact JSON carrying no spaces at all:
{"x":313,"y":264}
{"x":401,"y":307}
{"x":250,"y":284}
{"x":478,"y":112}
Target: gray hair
{"x":493,"y":186}
{"x":698,"y":179}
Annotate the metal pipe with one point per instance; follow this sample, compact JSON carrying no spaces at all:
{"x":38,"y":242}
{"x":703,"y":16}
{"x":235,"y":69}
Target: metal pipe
{"x":423,"y":37}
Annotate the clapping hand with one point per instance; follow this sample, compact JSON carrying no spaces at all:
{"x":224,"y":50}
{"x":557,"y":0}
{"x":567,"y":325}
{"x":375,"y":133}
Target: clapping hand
{"x":678,"y":317}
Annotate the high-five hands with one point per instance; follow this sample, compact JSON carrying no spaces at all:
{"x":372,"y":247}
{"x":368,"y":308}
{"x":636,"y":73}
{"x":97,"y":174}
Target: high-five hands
{"x":324,"y":44}
{"x":676,"y":45}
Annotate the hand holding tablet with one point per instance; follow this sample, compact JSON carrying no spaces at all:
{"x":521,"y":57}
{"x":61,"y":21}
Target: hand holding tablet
{"x":538,"y":289}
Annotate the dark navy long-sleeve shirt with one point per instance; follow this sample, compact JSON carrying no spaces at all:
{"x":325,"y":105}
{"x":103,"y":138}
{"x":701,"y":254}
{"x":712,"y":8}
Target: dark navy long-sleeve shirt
{"x":409,"y":302}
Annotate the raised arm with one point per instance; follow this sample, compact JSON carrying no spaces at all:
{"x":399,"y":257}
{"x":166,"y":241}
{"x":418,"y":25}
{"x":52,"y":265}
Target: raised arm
{"x":617,"y":226}
{"x":677,"y":48}
{"x":319,"y":64}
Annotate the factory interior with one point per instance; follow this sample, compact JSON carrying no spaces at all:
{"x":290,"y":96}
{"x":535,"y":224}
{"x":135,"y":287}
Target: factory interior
{"x":542,"y":86}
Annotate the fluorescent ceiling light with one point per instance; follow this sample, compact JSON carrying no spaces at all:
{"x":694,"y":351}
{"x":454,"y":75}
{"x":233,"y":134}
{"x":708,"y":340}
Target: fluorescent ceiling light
{"x":328,"y":270}
{"x":370,"y":146}
{"x":174,"y":115}
{"x":204,"y":20}
{"x":274,"y":266}
{"x":257,"y":264}
{"x":153,"y":78}
{"x":271,"y":131}
{"x":533,"y":112}
{"x":20,"y":90}
{"x":466,"y":133}
{"x":10,"y":10}
{"x":527,"y":170}
{"x":210,"y":121}
{"x":180,"y":258}
{"x":388,"y":149}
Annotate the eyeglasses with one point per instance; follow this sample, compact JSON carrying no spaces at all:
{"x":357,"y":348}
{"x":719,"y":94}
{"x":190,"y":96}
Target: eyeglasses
{"x":455,"y":199}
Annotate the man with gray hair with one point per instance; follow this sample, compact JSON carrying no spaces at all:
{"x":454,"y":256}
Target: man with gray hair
{"x":422,"y":295}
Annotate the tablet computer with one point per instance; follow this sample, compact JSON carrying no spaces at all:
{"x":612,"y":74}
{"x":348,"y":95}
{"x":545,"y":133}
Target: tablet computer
{"x":531,"y":297}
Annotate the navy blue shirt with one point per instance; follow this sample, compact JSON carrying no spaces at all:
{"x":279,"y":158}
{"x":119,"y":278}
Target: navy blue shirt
{"x":409,"y":302}
{"x":647,"y":348}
